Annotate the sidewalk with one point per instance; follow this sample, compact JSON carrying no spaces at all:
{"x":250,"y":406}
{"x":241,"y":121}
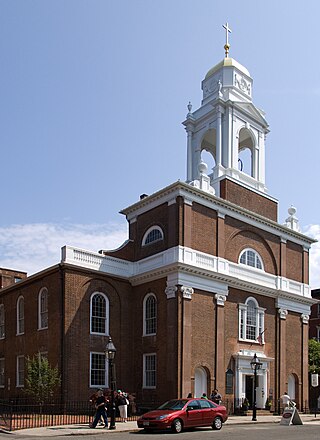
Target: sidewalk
{"x":132,"y":426}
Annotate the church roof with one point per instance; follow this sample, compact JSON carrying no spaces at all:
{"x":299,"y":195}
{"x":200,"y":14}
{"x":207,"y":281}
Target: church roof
{"x":227,"y":62}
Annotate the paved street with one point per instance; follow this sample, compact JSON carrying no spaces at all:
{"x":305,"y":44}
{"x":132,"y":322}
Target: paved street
{"x":263,"y":431}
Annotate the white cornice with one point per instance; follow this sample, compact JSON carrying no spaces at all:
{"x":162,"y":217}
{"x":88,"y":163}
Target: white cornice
{"x":185,"y":266}
{"x":225,"y":207}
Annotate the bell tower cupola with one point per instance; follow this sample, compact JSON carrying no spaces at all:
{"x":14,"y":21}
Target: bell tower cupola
{"x":229,"y":127}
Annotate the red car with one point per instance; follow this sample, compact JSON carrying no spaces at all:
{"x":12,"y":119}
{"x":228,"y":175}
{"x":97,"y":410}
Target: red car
{"x":178,"y":414}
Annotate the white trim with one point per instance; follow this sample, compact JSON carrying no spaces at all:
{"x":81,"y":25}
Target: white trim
{"x":18,"y":385}
{"x":259,"y":321}
{"x":216,"y":203}
{"x":148,"y":295}
{"x":106,"y":378}
{"x":43,"y":289}
{"x":4,"y":371}
{"x":150,"y":387}
{"x":106,"y":333}
{"x":256,"y":255}
{"x":21,"y":297}
{"x":146,"y":234}
{"x":186,"y":266}
{"x":2,"y":310}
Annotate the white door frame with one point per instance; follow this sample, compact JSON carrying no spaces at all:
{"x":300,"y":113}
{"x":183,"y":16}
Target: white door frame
{"x":243,"y":369}
{"x":200,"y":381}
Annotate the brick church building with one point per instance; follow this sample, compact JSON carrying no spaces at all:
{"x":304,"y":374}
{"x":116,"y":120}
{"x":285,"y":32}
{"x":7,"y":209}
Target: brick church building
{"x":207,"y":279}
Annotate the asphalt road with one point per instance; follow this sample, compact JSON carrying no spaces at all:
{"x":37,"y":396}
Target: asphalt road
{"x":310,"y":431}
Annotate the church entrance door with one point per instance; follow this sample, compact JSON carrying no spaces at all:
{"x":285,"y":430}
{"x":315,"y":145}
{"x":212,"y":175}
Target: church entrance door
{"x":249,"y":390}
{"x":201,"y":382}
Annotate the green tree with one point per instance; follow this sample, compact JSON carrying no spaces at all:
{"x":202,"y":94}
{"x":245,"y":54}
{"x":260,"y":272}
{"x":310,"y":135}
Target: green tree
{"x":314,"y":356}
{"x":41,"y":379}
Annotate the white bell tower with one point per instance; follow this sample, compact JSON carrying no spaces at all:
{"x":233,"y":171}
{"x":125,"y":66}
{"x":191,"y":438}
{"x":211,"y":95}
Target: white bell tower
{"x":228,"y":126}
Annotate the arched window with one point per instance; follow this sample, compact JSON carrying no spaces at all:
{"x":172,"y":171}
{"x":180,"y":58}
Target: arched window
{"x":150,"y":315}
{"x":99,"y":314}
{"x":153,"y":234}
{"x":250,"y":257}
{"x":20,"y":315}
{"x":251,"y":321}
{"x":246,"y":152}
{"x":43,"y":308}
{"x":2,"y":329}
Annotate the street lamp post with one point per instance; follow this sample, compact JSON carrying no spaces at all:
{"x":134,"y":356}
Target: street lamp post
{"x":255,"y":365}
{"x":110,"y":355}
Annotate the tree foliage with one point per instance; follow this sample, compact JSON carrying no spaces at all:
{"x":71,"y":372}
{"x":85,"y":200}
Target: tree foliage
{"x":41,"y":379}
{"x":314,"y":356}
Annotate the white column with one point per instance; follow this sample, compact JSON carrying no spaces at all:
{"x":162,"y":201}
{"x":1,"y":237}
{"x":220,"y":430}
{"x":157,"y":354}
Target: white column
{"x":218,"y":138}
{"x":189,"y":154}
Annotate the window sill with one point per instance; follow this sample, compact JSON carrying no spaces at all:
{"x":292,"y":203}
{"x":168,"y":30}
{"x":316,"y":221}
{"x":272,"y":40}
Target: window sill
{"x":251,"y":341}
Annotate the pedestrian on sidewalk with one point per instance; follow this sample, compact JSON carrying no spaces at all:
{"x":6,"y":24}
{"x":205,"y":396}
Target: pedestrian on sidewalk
{"x":101,"y":410}
{"x":122,"y":403}
{"x":216,"y":396}
{"x":286,"y":401}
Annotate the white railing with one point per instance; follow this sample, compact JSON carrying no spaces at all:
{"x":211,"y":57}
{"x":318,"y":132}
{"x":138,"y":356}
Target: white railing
{"x":92,"y":260}
{"x":185,"y":256}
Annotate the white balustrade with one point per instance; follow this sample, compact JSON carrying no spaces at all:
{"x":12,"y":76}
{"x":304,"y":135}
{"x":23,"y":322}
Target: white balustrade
{"x":184,"y":256}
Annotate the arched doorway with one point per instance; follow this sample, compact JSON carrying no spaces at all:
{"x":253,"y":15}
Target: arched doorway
{"x":201,"y":382}
{"x":292,"y":386}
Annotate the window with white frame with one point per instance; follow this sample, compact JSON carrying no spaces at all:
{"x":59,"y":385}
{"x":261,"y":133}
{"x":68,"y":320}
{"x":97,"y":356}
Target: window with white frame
{"x":152,"y":235}
{"x":20,"y":371}
{"x":20,"y":315}
{"x":149,"y":370}
{"x":2,"y":322}
{"x":2,"y":376}
{"x":149,"y":315}
{"x":98,"y":370}
{"x":43,"y":309}
{"x":99,"y":314}
{"x":319,"y":309}
{"x":251,"y":258}
{"x":318,"y":334}
{"x":251,"y":321}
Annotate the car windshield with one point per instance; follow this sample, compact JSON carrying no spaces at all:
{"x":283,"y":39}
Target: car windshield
{"x":173,"y":404}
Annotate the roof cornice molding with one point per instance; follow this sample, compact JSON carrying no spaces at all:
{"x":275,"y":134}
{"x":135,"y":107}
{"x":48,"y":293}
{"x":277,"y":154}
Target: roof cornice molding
{"x":227,"y":208}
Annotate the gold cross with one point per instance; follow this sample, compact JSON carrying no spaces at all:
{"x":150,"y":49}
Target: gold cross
{"x":227,"y":45}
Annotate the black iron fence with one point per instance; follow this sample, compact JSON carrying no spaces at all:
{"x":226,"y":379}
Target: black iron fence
{"x":14,"y":415}
{"x":22,"y":414}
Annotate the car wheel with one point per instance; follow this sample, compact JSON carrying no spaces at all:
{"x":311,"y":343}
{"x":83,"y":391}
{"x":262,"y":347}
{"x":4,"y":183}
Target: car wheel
{"x":176,"y":426}
{"x":217,"y":423}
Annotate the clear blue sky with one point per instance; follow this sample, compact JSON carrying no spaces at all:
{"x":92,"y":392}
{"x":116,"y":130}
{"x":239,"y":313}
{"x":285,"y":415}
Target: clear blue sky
{"x":93,"y":92}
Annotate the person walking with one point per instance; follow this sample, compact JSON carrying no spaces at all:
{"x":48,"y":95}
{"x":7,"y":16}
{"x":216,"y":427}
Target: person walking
{"x":100,"y":405}
{"x":286,"y":401}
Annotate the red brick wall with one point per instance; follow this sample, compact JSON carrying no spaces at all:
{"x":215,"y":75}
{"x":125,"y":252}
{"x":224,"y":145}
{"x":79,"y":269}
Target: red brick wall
{"x":8,"y":277}
{"x":163,"y":343}
{"x":203,"y":334}
{"x":248,"y":199}
{"x":80,"y":285}
{"x":33,"y":340}
{"x":204,"y":229}
{"x":294,"y":261}
{"x":239,"y":236}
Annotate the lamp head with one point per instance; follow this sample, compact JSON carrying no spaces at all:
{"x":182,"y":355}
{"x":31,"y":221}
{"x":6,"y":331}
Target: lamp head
{"x":110,"y":349}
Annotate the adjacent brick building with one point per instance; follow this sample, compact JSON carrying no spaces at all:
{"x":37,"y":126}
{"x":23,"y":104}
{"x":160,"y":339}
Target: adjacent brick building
{"x":206,"y":279}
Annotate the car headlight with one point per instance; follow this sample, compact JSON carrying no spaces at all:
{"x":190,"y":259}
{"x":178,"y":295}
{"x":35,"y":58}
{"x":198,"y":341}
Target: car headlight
{"x":162,"y":417}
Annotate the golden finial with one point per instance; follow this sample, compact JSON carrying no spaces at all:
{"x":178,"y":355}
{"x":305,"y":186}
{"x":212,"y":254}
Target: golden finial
{"x":227,"y":45}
